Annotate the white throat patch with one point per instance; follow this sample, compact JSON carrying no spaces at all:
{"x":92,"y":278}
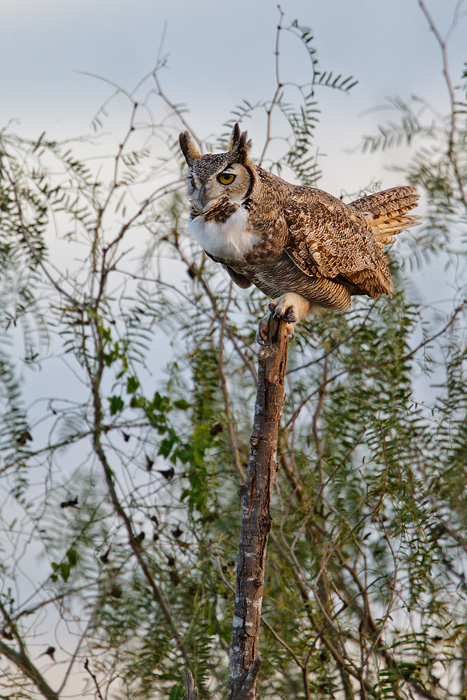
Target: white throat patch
{"x":229,"y":240}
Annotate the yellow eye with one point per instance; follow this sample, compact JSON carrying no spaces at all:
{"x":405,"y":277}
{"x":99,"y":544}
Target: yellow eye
{"x":192,"y":181}
{"x":226,"y":178}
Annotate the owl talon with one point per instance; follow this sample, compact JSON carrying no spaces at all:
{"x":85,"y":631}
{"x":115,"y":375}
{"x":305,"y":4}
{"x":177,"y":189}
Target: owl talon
{"x":290,"y":307}
{"x":262,"y":334}
{"x":291,"y":331}
{"x":287,"y":315}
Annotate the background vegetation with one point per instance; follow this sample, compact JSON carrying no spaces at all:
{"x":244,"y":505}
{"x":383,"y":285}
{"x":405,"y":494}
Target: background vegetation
{"x":127,"y":369}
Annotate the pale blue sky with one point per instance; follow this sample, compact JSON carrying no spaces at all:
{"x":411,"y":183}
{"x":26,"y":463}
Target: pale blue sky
{"x":218,"y":52}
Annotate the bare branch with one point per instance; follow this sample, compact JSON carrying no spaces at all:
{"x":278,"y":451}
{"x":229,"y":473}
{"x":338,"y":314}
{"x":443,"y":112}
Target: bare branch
{"x":22,"y":661}
{"x":452,"y":146}
{"x":255,"y":497}
{"x":94,"y":678}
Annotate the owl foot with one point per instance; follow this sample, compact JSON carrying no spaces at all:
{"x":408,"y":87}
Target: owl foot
{"x":263,"y":334}
{"x":290,"y":307}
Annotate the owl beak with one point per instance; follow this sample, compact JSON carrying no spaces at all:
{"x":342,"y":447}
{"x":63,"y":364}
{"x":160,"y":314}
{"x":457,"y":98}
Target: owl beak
{"x":200,"y":198}
{"x":203,"y":199}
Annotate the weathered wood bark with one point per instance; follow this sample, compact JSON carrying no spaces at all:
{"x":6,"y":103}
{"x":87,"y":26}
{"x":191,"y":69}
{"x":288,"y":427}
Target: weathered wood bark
{"x":190,"y":691}
{"x":255,"y":497}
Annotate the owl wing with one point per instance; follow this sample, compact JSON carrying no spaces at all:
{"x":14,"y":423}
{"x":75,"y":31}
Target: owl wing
{"x":329,"y":239}
{"x":239,"y":279}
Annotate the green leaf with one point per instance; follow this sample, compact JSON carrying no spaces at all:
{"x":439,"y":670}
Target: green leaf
{"x":176,"y":693}
{"x":138,"y":402}
{"x":166,"y":445}
{"x":116,"y":404}
{"x":132,"y":384}
{"x":65,"y":571}
{"x":161,"y":403}
{"x":72,"y":555}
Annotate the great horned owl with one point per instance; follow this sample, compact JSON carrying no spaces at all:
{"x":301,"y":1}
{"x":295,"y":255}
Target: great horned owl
{"x":301,"y":246}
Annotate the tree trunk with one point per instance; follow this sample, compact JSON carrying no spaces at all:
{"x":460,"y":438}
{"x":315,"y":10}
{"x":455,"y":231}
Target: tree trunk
{"x":255,"y":497}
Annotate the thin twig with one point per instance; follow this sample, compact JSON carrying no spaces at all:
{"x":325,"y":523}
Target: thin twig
{"x":277,"y":92}
{"x":452,"y":145}
{"x":94,"y":678}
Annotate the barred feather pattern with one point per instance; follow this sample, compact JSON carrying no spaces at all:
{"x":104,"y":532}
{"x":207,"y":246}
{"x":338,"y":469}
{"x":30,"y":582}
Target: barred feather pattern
{"x":296,"y":240}
{"x":386,"y":212}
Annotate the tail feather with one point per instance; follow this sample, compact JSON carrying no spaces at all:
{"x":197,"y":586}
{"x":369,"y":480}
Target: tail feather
{"x":386,"y":212}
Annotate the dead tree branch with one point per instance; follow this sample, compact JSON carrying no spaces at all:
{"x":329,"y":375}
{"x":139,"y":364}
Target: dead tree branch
{"x":255,"y":497}
{"x":22,"y":662}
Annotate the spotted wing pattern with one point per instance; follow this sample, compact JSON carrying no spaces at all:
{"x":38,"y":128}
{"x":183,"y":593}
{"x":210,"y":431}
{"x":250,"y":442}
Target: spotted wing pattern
{"x":329,"y":239}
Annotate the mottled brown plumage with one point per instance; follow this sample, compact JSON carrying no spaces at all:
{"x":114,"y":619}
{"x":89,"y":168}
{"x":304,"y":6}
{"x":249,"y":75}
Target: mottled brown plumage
{"x":301,"y":246}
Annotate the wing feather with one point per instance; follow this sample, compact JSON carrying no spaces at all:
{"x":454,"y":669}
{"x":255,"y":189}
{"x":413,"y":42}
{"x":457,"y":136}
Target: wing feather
{"x":238,"y":278}
{"x":329,"y":239}
{"x":386,"y":212}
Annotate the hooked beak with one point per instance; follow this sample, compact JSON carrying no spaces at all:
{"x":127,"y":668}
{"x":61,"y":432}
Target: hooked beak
{"x":200,"y":197}
{"x":203,"y":196}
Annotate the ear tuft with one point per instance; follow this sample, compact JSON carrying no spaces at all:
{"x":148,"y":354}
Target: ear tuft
{"x":241,"y":146}
{"x":189,"y":149}
{"x":235,"y":137}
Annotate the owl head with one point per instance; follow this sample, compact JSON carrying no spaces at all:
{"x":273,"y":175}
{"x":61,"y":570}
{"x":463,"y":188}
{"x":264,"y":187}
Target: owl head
{"x":218,"y":177}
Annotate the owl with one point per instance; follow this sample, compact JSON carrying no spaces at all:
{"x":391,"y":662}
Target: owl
{"x":305,"y":249}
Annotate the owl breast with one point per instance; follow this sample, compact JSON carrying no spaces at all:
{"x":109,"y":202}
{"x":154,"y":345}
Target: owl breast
{"x":229,"y":240}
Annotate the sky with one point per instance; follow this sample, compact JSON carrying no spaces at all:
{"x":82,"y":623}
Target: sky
{"x":219,"y":54}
